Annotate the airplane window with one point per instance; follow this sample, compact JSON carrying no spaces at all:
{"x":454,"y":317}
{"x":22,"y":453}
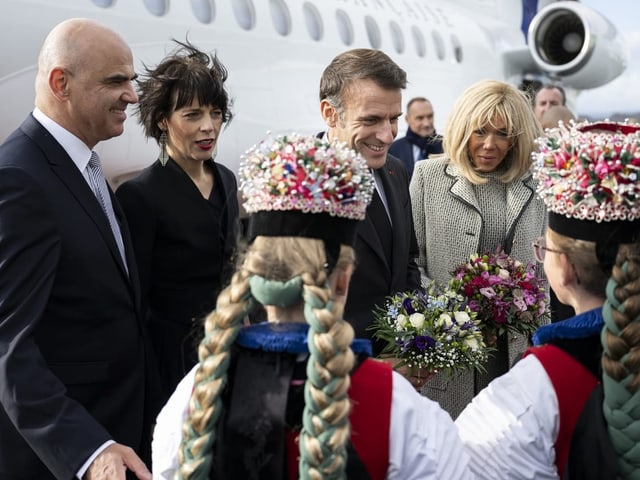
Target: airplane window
{"x":280,"y":17}
{"x":457,"y":48}
{"x":313,"y":20}
{"x":204,"y":10}
{"x":157,"y":7}
{"x":396,"y":36}
{"x":373,"y":31}
{"x":345,"y":29}
{"x":439,"y":43}
{"x":103,"y":3}
{"x":418,"y":40}
{"x":245,"y":13}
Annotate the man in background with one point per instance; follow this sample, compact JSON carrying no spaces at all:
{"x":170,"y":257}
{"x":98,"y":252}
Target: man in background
{"x":549,"y":107}
{"x":547,"y":96}
{"x":360,"y":102}
{"x":421,"y":139}
{"x":552,"y":116}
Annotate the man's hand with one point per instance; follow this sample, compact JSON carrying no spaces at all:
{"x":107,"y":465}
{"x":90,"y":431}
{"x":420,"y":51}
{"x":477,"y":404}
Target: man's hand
{"x":417,"y":376}
{"x":113,"y":462}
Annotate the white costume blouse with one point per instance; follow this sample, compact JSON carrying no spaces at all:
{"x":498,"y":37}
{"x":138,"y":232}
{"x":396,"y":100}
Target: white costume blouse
{"x":510,"y":427}
{"x":423,"y":442}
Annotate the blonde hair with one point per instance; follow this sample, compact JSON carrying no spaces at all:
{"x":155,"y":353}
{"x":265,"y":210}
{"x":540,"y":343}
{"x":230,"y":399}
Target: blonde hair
{"x":479,"y":106}
{"x":582,"y":255}
{"x":326,"y":416}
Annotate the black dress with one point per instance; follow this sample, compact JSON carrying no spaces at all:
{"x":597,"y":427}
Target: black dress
{"x":184,"y":246}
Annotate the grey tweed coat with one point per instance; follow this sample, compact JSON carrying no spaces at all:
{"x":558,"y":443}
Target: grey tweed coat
{"x":449,"y":226}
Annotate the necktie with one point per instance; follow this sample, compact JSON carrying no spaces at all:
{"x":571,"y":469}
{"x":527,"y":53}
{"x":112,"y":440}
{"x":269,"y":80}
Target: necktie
{"x":99,"y":186}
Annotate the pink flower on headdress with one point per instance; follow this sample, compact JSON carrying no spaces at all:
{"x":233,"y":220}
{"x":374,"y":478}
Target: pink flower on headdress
{"x":561,"y":160}
{"x":590,"y":170}
{"x":307,"y":174}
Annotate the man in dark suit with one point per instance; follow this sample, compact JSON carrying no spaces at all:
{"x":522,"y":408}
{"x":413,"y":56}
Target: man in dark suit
{"x":361,"y":101}
{"x":75,"y":381}
{"x":421,"y":139}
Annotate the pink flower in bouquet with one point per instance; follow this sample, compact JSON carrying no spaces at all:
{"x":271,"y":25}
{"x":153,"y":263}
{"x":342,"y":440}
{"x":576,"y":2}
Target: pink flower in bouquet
{"x":505,"y":294}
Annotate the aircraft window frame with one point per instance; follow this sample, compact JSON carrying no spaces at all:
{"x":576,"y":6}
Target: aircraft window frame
{"x":103,"y":3}
{"x":397,"y":37}
{"x":373,"y":32}
{"x":345,"y":27}
{"x":245,"y":13}
{"x":159,"y":8}
{"x":419,"y":42}
{"x":458,"y":54}
{"x":313,"y":21}
{"x":438,"y":43}
{"x":280,"y":17}
{"x":204,"y":10}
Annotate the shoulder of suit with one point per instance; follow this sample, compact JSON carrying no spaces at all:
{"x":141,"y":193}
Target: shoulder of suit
{"x":393,"y":165}
{"x":394,"y":161}
{"x":397,"y":147}
{"x":399,"y":141}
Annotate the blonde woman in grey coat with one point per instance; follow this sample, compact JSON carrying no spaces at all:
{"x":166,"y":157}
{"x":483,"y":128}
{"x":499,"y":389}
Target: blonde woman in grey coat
{"x":479,"y":196}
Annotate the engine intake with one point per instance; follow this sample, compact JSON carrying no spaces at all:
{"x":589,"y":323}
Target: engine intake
{"x":575,"y":44}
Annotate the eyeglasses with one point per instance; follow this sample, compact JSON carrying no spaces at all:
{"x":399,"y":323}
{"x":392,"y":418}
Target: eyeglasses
{"x":540,"y":249}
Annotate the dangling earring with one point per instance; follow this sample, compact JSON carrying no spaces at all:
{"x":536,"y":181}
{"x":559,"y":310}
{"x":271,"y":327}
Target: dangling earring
{"x":164,"y":156}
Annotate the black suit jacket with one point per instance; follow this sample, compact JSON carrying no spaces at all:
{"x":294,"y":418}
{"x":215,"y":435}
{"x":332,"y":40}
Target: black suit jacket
{"x":184,"y":246}
{"x":374,"y":278}
{"x":74,"y":366}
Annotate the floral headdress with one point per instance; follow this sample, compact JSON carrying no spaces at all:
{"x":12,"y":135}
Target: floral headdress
{"x":295,"y":185}
{"x":588,"y":176}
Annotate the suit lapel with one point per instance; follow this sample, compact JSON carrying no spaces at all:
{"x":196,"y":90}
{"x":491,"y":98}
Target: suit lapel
{"x":461,"y":188}
{"x":387,"y":177}
{"x":64,"y":168}
{"x":519,"y":196}
{"x":128,"y":248}
{"x":368,"y":234}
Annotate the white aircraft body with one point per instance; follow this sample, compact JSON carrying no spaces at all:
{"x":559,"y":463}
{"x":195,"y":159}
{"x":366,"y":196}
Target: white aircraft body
{"x":275,"y":52}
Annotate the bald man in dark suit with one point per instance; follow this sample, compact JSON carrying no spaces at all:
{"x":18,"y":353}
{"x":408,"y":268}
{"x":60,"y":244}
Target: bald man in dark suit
{"x":76,"y":382}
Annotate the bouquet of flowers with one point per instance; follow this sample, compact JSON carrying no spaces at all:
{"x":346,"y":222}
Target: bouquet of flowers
{"x":505,"y":294}
{"x":435,"y":331}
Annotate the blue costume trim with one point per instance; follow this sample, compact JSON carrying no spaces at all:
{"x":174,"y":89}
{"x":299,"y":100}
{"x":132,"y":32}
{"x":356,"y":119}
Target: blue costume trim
{"x":581,"y":326}
{"x":287,"y":337}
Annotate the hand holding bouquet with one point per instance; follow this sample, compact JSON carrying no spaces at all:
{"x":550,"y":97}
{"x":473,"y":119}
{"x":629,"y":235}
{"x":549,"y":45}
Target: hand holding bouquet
{"x":432,"y":331}
{"x":505,"y":294}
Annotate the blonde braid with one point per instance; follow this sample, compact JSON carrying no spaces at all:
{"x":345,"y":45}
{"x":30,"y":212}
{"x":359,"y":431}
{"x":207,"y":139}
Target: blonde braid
{"x":621,"y":361}
{"x":325,"y":429}
{"x":221,"y":329}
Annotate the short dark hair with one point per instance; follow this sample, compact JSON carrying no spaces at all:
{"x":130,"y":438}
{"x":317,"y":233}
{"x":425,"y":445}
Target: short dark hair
{"x":359,"y":64}
{"x":186,"y":73}
{"x":552,"y":86}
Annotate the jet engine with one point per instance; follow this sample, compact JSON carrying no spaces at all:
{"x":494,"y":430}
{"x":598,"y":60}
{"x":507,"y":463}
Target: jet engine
{"x":576,"y":45}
